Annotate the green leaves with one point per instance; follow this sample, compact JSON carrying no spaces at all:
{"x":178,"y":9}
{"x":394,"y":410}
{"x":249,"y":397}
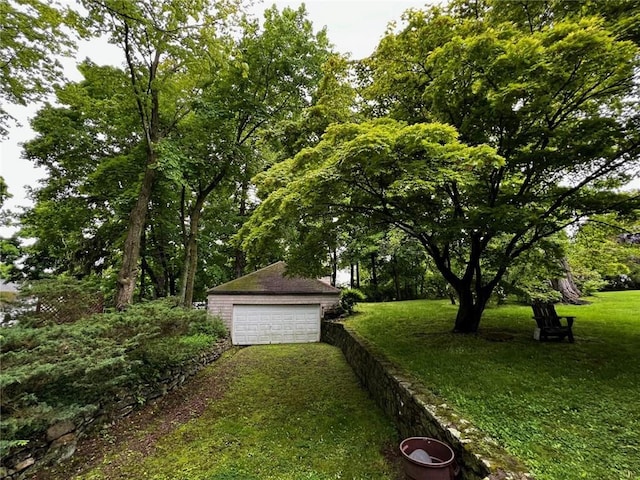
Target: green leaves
{"x":491,"y":137}
{"x":382,"y":170}
{"x":33,"y":34}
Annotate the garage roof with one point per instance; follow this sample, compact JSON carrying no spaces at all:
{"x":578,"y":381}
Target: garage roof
{"x":271,"y":280}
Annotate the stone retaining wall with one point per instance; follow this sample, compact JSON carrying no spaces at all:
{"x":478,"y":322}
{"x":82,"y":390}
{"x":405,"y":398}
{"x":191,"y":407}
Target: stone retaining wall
{"x":59,"y":441}
{"x":417,"y":412}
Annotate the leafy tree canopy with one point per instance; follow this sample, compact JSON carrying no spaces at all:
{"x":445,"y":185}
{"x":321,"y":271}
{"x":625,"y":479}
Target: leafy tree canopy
{"x":494,"y":138}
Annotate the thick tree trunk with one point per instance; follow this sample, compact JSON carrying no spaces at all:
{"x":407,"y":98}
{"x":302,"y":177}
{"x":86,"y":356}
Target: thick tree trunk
{"x":473,"y":288}
{"x":150,"y":122}
{"x":469,"y":311}
{"x":127,"y":276}
{"x":567,"y":286}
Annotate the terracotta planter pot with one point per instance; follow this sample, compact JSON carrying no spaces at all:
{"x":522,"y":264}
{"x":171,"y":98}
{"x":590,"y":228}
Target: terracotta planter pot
{"x":442,"y":464}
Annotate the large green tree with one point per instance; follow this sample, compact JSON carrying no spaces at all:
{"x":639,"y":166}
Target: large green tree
{"x":92,"y":165}
{"x":170,"y":48}
{"x":497,"y":137}
{"x":602,"y":250}
{"x":333,"y":101}
{"x":208,"y":149}
{"x":275,"y":68}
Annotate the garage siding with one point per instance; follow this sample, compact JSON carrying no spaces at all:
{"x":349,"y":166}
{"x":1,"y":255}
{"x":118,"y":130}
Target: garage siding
{"x":222,"y":305}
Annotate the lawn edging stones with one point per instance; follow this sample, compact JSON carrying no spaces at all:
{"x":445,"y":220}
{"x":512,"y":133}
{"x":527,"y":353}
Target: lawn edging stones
{"x":418,"y":412}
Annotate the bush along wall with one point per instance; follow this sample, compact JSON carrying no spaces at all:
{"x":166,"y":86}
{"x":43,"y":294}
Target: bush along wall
{"x":61,"y":381}
{"x":419,"y":413}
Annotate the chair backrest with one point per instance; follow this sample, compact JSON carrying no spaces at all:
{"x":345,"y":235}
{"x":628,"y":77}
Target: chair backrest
{"x":545,"y":314}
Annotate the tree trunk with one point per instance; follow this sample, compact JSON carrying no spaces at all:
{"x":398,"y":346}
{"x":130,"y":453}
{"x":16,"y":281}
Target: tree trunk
{"x":143,"y":266}
{"x":191,"y":265}
{"x":334,"y":267}
{"x":240,"y":263}
{"x":191,"y":241}
{"x":358,"y":275}
{"x":158,"y":283}
{"x":127,"y":276}
{"x":191,"y":255}
{"x":567,"y":286}
{"x":396,"y":278}
{"x":352,"y":280}
{"x":150,"y":122}
{"x":374,"y":273}
{"x":469,"y":311}
{"x":451,"y":294}
{"x":159,"y":278}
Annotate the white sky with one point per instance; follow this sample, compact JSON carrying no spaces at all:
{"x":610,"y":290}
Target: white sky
{"x":353,"y":26}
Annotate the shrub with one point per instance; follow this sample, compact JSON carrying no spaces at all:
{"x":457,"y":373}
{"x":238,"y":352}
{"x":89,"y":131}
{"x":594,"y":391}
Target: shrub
{"x":349,"y":298}
{"x":165,"y":352}
{"x":53,"y":372}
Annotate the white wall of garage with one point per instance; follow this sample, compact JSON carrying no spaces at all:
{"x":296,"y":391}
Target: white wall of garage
{"x":221,"y":305}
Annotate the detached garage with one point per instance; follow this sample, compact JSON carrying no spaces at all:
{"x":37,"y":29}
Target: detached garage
{"x":267,"y":307}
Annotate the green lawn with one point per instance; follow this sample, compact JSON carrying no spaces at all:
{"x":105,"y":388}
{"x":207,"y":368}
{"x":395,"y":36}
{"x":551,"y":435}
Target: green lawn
{"x":287,"y":412}
{"x":569,"y":411}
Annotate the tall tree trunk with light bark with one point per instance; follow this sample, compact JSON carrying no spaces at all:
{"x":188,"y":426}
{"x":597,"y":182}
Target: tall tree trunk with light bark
{"x":190,"y":264}
{"x":191,"y":260}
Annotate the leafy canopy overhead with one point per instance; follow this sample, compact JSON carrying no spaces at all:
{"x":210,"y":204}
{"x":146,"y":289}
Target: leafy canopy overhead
{"x":492,"y":138}
{"x":386,"y":171}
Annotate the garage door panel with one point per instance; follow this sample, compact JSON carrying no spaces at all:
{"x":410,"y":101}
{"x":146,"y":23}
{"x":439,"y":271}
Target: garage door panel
{"x":262,"y":324}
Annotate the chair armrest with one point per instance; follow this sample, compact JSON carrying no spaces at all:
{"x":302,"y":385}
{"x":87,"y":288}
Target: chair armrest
{"x":570,"y":319}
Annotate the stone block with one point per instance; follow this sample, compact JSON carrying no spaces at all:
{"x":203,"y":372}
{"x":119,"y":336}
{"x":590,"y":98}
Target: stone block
{"x":64,"y":440}
{"x":24,"y":464}
{"x":59,"y":429}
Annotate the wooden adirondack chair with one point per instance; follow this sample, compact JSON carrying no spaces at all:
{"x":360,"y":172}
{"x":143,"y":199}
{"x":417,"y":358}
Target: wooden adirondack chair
{"x":549,"y":325}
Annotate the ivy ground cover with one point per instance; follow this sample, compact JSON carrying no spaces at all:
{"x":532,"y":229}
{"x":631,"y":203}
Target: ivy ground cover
{"x":569,"y":411}
{"x":270,"y":412}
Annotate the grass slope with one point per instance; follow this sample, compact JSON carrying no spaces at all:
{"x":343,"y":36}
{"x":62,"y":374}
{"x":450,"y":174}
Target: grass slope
{"x":569,"y":411}
{"x":287,"y":412}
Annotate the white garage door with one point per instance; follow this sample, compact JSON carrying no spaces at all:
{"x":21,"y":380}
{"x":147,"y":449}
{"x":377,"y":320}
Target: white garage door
{"x":260,"y":324}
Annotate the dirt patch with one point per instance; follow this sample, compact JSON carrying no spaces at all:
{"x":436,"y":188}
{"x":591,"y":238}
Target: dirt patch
{"x":139,"y":432}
